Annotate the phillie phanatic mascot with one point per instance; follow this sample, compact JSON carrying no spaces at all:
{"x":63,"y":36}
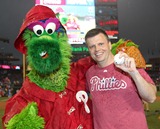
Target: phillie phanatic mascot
{"x":53,"y":94}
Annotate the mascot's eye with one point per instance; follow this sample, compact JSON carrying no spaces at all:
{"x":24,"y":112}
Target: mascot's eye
{"x":50,"y":28}
{"x":38,"y":30}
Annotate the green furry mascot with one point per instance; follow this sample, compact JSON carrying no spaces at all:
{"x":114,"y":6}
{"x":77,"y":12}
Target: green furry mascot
{"x":53,"y":94}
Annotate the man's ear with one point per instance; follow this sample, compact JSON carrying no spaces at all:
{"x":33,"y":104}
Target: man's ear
{"x":110,"y":45}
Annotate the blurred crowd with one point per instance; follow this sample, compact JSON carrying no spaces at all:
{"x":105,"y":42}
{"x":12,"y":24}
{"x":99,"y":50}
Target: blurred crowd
{"x":7,"y":87}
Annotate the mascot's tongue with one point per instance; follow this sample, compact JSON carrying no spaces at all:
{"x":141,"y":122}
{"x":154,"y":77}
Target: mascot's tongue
{"x":45,"y":56}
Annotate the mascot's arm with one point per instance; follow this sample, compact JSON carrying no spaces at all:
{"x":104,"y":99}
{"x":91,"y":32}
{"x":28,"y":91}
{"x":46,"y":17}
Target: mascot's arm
{"x":78,"y":71}
{"x":27,"y":119}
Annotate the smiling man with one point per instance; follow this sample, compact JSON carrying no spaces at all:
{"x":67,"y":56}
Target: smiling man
{"x":116,"y":89}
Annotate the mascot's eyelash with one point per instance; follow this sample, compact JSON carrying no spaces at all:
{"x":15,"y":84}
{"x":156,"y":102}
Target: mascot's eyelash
{"x":45,"y":23}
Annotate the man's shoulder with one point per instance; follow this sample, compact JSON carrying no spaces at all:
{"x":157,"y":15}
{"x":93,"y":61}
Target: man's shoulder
{"x":91,"y":69}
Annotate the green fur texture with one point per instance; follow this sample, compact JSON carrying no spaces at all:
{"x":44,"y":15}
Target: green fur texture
{"x":120,"y":41}
{"x":52,"y":72}
{"x":27,"y":119}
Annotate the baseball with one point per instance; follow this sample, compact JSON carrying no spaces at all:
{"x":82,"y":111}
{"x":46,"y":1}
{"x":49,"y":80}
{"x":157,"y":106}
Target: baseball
{"x":118,"y":60}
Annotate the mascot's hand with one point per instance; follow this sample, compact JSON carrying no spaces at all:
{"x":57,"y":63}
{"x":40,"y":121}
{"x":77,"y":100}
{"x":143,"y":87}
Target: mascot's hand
{"x":82,"y":96}
{"x":27,"y":119}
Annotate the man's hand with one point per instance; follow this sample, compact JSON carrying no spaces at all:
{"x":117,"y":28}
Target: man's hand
{"x":128,"y":64}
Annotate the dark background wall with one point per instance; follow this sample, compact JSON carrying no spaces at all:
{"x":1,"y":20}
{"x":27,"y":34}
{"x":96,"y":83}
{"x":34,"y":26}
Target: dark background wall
{"x":12,"y":13}
{"x":139,"y":20}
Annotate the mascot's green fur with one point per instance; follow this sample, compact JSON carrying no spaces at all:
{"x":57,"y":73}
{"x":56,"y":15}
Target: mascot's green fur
{"x":28,"y":117}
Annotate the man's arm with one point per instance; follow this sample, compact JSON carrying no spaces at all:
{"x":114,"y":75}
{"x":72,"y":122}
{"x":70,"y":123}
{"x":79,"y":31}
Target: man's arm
{"x":146,"y":90}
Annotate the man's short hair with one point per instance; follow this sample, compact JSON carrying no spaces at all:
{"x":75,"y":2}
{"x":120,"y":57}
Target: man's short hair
{"x":94,"y":32}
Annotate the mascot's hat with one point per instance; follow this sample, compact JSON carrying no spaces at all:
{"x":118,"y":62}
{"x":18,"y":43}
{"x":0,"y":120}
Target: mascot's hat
{"x":36,"y":13}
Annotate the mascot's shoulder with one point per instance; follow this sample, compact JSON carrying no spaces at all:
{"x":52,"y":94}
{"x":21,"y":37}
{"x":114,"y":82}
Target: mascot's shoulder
{"x":82,"y":64}
{"x":77,"y":73}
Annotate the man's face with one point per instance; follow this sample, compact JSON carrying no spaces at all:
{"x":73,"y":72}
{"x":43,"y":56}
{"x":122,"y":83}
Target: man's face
{"x":99,"y":48}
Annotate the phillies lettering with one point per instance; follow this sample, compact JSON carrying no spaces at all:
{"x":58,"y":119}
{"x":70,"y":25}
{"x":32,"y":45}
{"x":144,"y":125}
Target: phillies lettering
{"x":107,"y":84}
